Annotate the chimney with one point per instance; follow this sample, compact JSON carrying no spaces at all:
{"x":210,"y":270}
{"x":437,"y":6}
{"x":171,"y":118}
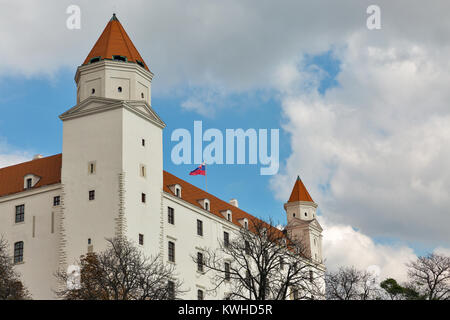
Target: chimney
{"x":38,"y":156}
{"x":234,"y":202}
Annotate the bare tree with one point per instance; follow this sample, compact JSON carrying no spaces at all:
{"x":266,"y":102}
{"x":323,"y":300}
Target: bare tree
{"x":260,"y":262}
{"x":430,"y":276}
{"x":11,"y":287}
{"x":348,"y":283}
{"x":121,"y":272}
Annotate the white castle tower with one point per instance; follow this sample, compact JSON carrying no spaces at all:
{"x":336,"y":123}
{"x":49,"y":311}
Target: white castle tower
{"x":302,"y":222}
{"x":112,"y":172}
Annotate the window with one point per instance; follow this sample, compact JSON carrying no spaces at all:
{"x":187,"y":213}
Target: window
{"x":89,"y":241}
{"x":200,"y":294}
{"x":96,"y":59}
{"x":226,"y":239}
{"x":143,"y":197}
{"x":227,"y":271}
{"x":20,"y":213}
{"x":229,"y":216}
{"x":248,"y":250}
{"x":306,"y":214}
{"x":143,"y":170}
{"x":119,"y":89}
{"x":178,"y":192}
{"x":120,"y":58}
{"x":140,"y":63}
{"x":141,"y":239}
{"x":170,"y":215}
{"x":93,"y":91}
{"x":206,"y":206}
{"x":29,"y":183}
{"x":91,"y":167}
{"x":199,"y":261}
{"x":56,"y":201}
{"x":18,"y":252}
{"x":293,"y":215}
{"x":171,"y":251}
{"x":142,"y":95}
{"x":311,"y":275}
{"x":143,"y":142}
{"x":246,"y":224}
{"x":200,"y":227}
{"x":91,"y":195}
{"x":171,"y":290}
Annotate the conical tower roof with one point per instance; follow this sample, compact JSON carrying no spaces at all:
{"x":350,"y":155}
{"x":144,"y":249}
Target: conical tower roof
{"x":115,"y":44}
{"x":299,"y":192}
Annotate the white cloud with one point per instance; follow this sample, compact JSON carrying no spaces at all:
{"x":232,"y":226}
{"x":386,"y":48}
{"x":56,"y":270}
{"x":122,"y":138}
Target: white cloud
{"x":344,"y":246}
{"x":10,"y":156}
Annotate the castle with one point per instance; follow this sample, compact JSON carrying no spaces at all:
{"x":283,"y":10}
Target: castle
{"x":109,"y":180}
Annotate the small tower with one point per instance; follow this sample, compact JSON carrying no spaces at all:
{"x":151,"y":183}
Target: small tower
{"x":302,"y":221}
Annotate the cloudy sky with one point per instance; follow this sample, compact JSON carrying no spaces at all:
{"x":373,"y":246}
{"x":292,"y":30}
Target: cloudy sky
{"x":364,"y":114}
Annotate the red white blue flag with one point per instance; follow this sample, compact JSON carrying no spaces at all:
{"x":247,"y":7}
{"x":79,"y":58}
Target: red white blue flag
{"x":201,"y":170}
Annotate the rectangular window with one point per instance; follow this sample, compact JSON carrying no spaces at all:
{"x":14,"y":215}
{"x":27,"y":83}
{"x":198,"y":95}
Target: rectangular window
{"x":171,"y":251}
{"x":143,"y":197}
{"x":226,"y":239}
{"x":56,"y":201}
{"x":200,"y":295}
{"x":227,"y":271}
{"x":29,"y":183}
{"x":248,"y":250}
{"x":141,"y":239}
{"x":143,"y":170}
{"x":200,"y":227}
{"x":143,"y":142}
{"x":171,"y":290}
{"x":200,"y":261}
{"x":18,"y":252}
{"x":92,"y":195}
{"x":170,"y":215}
{"x":20,"y":213}
{"x":91,"y":167}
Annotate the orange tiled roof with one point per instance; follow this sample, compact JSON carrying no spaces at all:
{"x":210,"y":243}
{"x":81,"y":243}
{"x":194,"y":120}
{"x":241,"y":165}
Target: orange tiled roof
{"x":192,"y":194}
{"x":114,"y":41}
{"x":299,"y":192}
{"x":48,"y":169}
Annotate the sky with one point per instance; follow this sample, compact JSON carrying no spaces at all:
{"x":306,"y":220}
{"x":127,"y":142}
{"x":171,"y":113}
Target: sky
{"x":363,"y":114}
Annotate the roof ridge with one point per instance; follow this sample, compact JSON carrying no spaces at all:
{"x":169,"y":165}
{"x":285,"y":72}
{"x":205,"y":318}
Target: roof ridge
{"x":29,"y":161}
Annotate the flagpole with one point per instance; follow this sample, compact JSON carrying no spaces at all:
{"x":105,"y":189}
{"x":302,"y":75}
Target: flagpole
{"x":206,"y":180}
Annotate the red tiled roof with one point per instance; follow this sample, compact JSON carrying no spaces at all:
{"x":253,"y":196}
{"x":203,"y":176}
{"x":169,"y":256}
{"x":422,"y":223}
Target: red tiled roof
{"x":48,"y":169}
{"x":114,"y":41}
{"x":192,"y":194}
{"x":299,"y":192}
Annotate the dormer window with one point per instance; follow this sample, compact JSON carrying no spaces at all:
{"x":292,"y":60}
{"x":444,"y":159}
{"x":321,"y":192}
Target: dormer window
{"x":140,"y":63}
{"x":244,"y":223}
{"x":227,"y":214}
{"x":176,"y":189}
{"x":120,"y":58}
{"x":205,"y":204}
{"x":30,"y":180}
{"x":96,"y":59}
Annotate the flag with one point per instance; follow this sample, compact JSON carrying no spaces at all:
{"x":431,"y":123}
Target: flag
{"x":201,"y":170}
